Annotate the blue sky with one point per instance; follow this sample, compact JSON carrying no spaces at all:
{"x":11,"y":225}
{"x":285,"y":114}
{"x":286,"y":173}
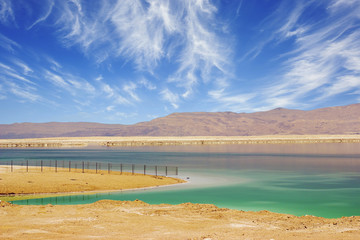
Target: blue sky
{"x":126,"y":61}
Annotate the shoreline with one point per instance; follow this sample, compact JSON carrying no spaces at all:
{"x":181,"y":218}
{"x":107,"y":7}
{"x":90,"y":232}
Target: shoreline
{"x":138,"y":220}
{"x":28,"y":196}
{"x":169,"y":141}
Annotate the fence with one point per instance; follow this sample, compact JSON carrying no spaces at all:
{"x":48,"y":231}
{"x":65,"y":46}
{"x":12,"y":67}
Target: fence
{"x":88,"y":167}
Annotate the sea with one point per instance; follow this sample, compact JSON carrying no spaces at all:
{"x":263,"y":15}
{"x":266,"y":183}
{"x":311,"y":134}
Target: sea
{"x":299,"y":179}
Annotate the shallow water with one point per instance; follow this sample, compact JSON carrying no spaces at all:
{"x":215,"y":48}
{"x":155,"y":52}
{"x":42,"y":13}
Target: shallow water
{"x":300,"y":179}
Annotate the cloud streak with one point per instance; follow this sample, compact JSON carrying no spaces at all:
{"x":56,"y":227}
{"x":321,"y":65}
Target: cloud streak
{"x":149,"y":33}
{"x":6,"y":12}
{"x":8,"y":44}
{"x":324,"y":61}
{"x":43,"y":18}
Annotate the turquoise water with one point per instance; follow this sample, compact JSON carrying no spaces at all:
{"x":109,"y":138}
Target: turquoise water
{"x":310,"y":179}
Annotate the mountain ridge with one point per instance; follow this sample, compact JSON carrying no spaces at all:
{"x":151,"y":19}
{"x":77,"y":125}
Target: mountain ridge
{"x":279,"y":121}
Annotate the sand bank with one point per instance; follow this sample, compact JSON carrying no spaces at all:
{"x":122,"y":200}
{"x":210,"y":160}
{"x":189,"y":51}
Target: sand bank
{"x":137,"y":220}
{"x":159,"y":141}
{"x":35,"y":182}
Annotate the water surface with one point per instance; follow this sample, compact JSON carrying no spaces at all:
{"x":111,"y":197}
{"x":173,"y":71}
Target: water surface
{"x":301,"y":179}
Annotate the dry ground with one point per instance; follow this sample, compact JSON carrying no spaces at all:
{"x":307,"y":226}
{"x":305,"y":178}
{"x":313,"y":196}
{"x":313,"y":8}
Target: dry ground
{"x":137,"y":220}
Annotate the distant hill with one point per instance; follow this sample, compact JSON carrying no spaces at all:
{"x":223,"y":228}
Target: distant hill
{"x":280,"y":121}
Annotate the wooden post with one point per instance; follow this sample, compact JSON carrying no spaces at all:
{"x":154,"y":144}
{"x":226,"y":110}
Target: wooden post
{"x":55,"y":165}
{"x":27,"y":165}
{"x":156,"y":170}
{"x":41,"y":163}
{"x":12,"y":163}
{"x":108,"y":168}
{"x":83,"y":167}
{"x":69,"y":166}
{"x":144,"y":169}
{"x":133,"y":168}
{"x":96,"y":167}
{"x":121,"y":168}
{"x":166,"y":171}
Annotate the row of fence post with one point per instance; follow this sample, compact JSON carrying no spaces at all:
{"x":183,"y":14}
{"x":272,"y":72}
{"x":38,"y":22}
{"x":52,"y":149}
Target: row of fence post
{"x":97,"y":167}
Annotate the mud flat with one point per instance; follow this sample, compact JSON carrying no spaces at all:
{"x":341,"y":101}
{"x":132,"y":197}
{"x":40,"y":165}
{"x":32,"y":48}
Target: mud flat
{"x":159,"y":141}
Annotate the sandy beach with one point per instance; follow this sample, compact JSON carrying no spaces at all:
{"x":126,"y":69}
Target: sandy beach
{"x":138,"y":220}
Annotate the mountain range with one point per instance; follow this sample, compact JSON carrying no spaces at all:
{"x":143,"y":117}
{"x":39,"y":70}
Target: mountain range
{"x":280,"y":121}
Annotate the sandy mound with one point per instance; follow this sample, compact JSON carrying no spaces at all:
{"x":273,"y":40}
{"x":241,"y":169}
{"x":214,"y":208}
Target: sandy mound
{"x":138,"y":220}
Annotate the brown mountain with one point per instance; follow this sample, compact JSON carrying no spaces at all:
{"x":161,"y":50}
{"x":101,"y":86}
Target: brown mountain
{"x":280,"y":121}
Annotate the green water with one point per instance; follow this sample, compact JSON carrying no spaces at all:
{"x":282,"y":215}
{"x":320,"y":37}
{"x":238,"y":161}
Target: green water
{"x":313,"y":179}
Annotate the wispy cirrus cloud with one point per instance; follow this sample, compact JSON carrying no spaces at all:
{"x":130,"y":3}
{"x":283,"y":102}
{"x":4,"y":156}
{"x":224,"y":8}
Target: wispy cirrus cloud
{"x":24,"y":92}
{"x":111,"y":92}
{"x":147,"y":84}
{"x":45,"y":16}
{"x":130,"y":89}
{"x":324,"y":60}
{"x":69,"y":82}
{"x":8,"y":44}
{"x":10,"y":73}
{"x":231,"y":102}
{"x":171,"y":97}
{"x":148,"y":33}
{"x":26,"y":69}
{"x":324,"y":51}
{"x":6,"y":12}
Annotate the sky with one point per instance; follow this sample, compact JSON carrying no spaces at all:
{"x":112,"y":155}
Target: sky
{"x":128,"y":61}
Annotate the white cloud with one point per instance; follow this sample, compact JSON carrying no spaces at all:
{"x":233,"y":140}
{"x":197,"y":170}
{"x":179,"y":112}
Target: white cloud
{"x":110,"y":108}
{"x":130,"y":88}
{"x":99,"y":78}
{"x":4,"y":66}
{"x":108,"y":90}
{"x":23,"y":92}
{"x":149,"y":32}
{"x":26,"y":69}
{"x":230,"y":102}
{"x":58,"y":81}
{"x":70,"y":83}
{"x":17,"y":76}
{"x":113,"y":93}
{"x":8,"y":44}
{"x":342,"y":85}
{"x":171,"y":97}
{"x":326,"y":54}
{"x":147,"y":84}
{"x":11,"y":74}
{"x":54,"y":64}
{"x":6,"y":12}
{"x":46,"y":15}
